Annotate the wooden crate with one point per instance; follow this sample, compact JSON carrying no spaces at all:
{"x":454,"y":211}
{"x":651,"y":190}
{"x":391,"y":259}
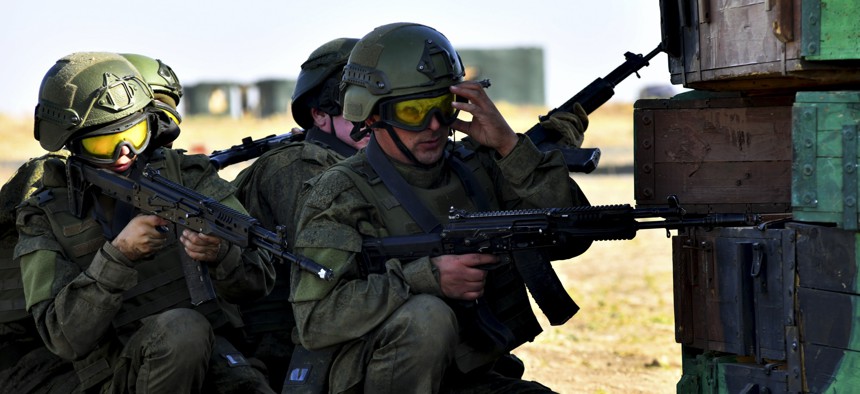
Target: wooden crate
{"x":731,"y":290}
{"x":761,"y":44}
{"x":775,"y":309}
{"x":718,"y":152}
{"x":825,"y":174}
{"x":828,"y":301}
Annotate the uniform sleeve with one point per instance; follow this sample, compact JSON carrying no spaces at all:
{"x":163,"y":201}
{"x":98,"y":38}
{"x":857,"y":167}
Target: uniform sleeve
{"x":72,"y":309}
{"x":528,"y":178}
{"x":271,"y":186}
{"x":331,"y":227}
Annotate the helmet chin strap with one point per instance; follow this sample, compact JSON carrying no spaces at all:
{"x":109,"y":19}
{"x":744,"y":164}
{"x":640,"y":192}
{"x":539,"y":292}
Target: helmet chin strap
{"x":358,"y":132}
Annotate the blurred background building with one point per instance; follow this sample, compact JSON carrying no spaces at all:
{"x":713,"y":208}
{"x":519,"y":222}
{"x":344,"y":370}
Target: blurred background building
{"x":521,"y":69}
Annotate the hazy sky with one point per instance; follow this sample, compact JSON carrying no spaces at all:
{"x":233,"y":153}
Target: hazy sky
{"x":248,"y":40}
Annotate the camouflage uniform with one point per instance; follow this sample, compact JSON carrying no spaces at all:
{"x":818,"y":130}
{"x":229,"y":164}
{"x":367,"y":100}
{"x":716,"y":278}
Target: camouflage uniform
{"x":403,"y":309}
{"x":270,"y":190}
{"x":117,"y":319}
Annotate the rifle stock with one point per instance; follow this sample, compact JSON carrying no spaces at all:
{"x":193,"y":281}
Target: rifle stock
{"x":154,"y":194}
{"x":592,"y":97}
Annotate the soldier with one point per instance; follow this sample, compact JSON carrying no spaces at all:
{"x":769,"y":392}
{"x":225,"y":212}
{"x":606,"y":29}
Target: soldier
{"x":24,"y":361}
{"x":414,"y":323}
{"x":104,"y":287}
{"x":270,"y":188}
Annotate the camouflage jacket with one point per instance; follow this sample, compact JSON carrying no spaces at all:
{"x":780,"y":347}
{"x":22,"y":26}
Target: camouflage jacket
{"x":270,"y":189}
{"x":82,"y":291}
{"x":337,"y":216}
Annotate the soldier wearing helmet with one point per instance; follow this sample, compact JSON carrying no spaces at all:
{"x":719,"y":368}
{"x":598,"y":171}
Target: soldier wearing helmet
{"x":416,"y":323}
{"x":270,"y":189}
{"x":103,"y":285}
{"x":22,"y":347}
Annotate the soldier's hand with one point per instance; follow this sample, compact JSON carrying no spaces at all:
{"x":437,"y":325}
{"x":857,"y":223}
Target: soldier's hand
{"x":141,"y":237}
{"x":571,"y":125}
{"x":460,"y":275}
{"x":201,"y":247}
{"x":488,"y":127}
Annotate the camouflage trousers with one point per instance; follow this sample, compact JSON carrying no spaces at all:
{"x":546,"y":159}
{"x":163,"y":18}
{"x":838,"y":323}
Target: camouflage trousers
{"x":414,"y":349}
{"x":409,"y":351}
{"x":177,"y":351}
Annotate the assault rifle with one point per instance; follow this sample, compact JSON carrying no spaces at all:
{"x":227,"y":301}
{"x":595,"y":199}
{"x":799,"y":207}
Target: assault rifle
{"x":549,"y":230}
{"x":250,"y":149}
{"x":592,"y":97}
{"x":529,"y":239}
{"x":154,"y":194}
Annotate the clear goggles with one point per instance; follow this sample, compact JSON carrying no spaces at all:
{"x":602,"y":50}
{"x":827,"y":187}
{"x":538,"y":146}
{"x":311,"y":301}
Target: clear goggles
{"x":414,"y":112}
{"x":104,"y":145}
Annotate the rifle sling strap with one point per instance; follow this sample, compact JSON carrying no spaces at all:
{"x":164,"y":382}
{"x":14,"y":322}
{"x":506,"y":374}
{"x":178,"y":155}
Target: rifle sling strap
{"x":401,"y":190}
{"x":545,"y":286}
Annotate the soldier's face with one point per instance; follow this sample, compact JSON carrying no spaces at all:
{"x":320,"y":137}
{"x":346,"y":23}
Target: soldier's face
{"x":427,"y":146}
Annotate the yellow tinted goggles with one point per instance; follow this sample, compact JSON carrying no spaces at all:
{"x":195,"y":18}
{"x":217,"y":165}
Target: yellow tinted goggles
{"x":104,"y":145}
{"x":414,"y":112}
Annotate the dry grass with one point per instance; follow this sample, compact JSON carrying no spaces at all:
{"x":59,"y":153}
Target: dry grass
{"x":622,"y":341}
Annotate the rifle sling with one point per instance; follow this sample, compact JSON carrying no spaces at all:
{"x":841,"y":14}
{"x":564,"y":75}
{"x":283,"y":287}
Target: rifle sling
{"x":401,"y":190}
{"x":545,"y":286}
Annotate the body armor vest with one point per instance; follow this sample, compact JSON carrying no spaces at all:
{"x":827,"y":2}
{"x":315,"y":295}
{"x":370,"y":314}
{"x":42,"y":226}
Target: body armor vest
{"x":13,"y":193}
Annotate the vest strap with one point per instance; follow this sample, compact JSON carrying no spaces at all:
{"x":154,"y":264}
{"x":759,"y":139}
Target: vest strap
{"x":399,"y":188}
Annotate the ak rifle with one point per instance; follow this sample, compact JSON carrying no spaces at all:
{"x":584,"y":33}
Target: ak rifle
{"x":557,"y":233}
{"x":592,"y":97}
{"x":153,"y":194}
{"x":250,"y":149}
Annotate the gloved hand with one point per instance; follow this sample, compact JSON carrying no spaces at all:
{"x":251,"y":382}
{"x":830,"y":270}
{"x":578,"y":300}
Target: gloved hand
{"x":571,"y":125}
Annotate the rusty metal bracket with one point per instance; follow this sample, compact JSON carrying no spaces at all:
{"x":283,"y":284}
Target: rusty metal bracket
{"x":783,"y":20}
{"x":758,"y":269}
{"x":804,"y":128}
{"x":811,"y":28}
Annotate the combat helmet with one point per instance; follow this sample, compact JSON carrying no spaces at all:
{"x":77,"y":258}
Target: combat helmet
{"x":317,"y":84}
{"x":86,"y":89}
{"x":166,"y":90}
{"x":396,"y":60}
{"x":160,"y":77}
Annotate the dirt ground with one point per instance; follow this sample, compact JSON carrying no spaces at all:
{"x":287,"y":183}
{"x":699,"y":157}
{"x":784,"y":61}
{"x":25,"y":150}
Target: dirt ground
{"x":622,"y":339}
